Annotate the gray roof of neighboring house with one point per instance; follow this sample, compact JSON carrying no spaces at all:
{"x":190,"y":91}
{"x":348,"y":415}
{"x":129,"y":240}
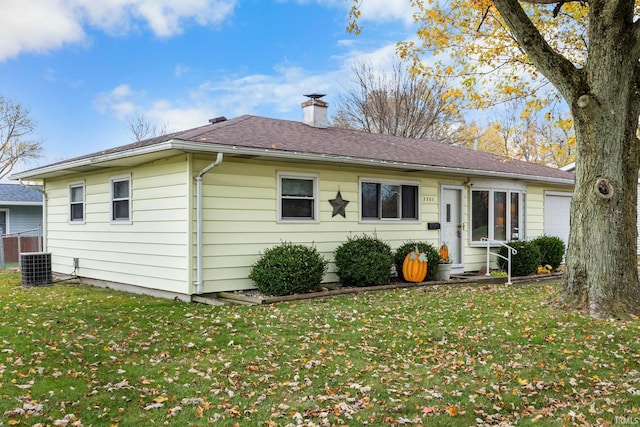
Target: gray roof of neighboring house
{"x":259,"y":136}
{"x":16,"y":194}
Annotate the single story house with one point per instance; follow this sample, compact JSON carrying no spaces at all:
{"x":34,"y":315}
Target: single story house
{"x":20,"y":209}
{"x":20,"y":214}
{"x":190,"y":212}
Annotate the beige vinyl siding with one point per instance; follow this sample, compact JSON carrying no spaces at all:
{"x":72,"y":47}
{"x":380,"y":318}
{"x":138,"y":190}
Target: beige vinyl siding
{"x":240,"y":216}
{"x":151,"y":251}
{"x":535,"y":211}
{"x":240,"y":220}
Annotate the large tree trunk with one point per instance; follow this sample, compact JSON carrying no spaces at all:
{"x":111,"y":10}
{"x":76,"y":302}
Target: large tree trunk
{"x":601,"y":267}
{"x":604,"y":97}
{"x":601,"y":272}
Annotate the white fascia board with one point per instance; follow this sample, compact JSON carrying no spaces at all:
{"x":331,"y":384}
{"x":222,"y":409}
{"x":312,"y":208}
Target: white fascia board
{"x":263,"y":152}
{"x":94,"y":160}
{"x":191,"y":146}
{"x":5,"y":203}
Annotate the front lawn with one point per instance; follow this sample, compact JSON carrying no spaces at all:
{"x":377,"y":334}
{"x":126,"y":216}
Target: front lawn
{"x":438,"y":355}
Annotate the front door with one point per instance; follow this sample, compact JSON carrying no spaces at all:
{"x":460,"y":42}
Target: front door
{"x":452,"y":223}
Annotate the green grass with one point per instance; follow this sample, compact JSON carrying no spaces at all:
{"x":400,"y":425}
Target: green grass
{"x":440,"y":355}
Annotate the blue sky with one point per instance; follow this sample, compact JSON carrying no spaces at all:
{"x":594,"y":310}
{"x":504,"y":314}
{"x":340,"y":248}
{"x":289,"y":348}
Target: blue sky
{"x":84,"y":68}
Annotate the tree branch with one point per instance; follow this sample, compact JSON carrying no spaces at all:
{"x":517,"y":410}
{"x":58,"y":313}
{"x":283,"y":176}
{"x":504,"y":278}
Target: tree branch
{"x":558,"y":69}
{"x":553,"y":1}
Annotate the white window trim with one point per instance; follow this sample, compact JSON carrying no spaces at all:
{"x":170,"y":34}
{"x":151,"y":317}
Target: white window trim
{"x":84,"y":202}
{"x":316,"y":198}
{"x":389,"y":182}
{"x":6,"y":215}
{"x":491,"y":218}
{"x":113,"y":179}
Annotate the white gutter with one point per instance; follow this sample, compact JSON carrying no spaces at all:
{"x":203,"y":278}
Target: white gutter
{"x":297,"y":155}
{"x":199,"y":221}
{"x":92,"y":161}
{"x":191,"y":146}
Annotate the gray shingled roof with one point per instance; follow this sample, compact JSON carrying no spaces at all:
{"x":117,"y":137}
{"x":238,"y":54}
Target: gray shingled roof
{"x":17,"y":194}
{"x":276,"y":138}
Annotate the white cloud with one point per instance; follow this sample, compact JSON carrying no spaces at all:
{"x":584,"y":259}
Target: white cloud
{"x":120,"y":101}
{"x":278,"y":94}
{"x":36,"y":26}
{"x":386,"y":11}
{"x":180,"y":69}
{"x":163,"y":113}
{"x":371,"y":10}
{"x":45,"y":25}
{"x":382,"y":57}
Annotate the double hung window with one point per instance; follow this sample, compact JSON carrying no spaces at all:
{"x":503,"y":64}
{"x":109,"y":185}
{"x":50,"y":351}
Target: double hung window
{"x":76,"y":202}
{"x":121,"y":199}
{"x":298,"y":197}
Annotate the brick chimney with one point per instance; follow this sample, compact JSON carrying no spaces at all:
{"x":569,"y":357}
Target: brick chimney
{"x":314,"y":111}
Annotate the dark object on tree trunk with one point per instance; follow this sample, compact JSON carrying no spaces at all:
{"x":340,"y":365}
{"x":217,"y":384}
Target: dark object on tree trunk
{"x":604,"y":188}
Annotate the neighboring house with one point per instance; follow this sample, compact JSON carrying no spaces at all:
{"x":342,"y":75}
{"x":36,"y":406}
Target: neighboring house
{"x":20,"y":209}
{"x":191,"y":212}
{"x":20,"y":213}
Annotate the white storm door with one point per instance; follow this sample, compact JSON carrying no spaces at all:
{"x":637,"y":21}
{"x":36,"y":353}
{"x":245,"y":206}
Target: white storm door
{"x":451,"y":222}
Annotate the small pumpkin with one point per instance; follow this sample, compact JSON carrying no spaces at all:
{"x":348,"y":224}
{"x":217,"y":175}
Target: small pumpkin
{"x":444,"y":251}
{"x":414,"y":267}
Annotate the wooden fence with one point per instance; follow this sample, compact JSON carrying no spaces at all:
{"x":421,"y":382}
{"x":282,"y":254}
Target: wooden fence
{"x":26,"y":244}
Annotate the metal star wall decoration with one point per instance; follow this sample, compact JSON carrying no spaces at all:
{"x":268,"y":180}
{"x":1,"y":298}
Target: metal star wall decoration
{"x":338,"y":205}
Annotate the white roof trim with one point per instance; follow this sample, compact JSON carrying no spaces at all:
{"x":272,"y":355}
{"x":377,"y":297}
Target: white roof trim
{"x":190,"y":146}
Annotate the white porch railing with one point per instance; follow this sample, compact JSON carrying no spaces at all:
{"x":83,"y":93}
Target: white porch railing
{"x":510,"y":251}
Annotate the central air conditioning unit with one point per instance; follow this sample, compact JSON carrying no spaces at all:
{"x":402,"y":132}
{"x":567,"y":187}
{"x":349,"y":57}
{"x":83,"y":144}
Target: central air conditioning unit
{"x":35,"y":268}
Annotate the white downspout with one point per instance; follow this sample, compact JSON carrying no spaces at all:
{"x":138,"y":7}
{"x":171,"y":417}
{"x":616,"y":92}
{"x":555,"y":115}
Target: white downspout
{"x":45,"y":199}
{"x":199,"y":221}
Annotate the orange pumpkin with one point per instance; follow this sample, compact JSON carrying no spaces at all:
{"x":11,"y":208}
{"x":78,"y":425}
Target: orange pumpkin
{"x":414,"y":267}
{"x":444,"y":251}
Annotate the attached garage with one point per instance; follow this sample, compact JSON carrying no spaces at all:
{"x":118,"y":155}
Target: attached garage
{"x":557,"y":206}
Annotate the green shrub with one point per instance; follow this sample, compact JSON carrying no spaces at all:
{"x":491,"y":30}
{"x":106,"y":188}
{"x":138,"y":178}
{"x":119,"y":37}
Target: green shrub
{"x":525,"y":262}
{"x":551,"y":250}
{"x":363,"y":261}
{"x":288,"y":269}
{"x":433,"y":256}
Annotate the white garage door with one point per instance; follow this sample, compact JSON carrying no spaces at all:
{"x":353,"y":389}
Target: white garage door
{"x":556,"y":215}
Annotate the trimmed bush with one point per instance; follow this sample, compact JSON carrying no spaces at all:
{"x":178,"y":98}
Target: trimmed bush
{"x":525,"y":262}
{"x":363,"y":261}
{"x":433,"y":256}
{"x":288,"y":269}
{"x":551,"y":250}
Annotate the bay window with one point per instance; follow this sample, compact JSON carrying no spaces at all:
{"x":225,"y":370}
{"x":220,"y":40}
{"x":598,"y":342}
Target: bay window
{"x":497,"y":215}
